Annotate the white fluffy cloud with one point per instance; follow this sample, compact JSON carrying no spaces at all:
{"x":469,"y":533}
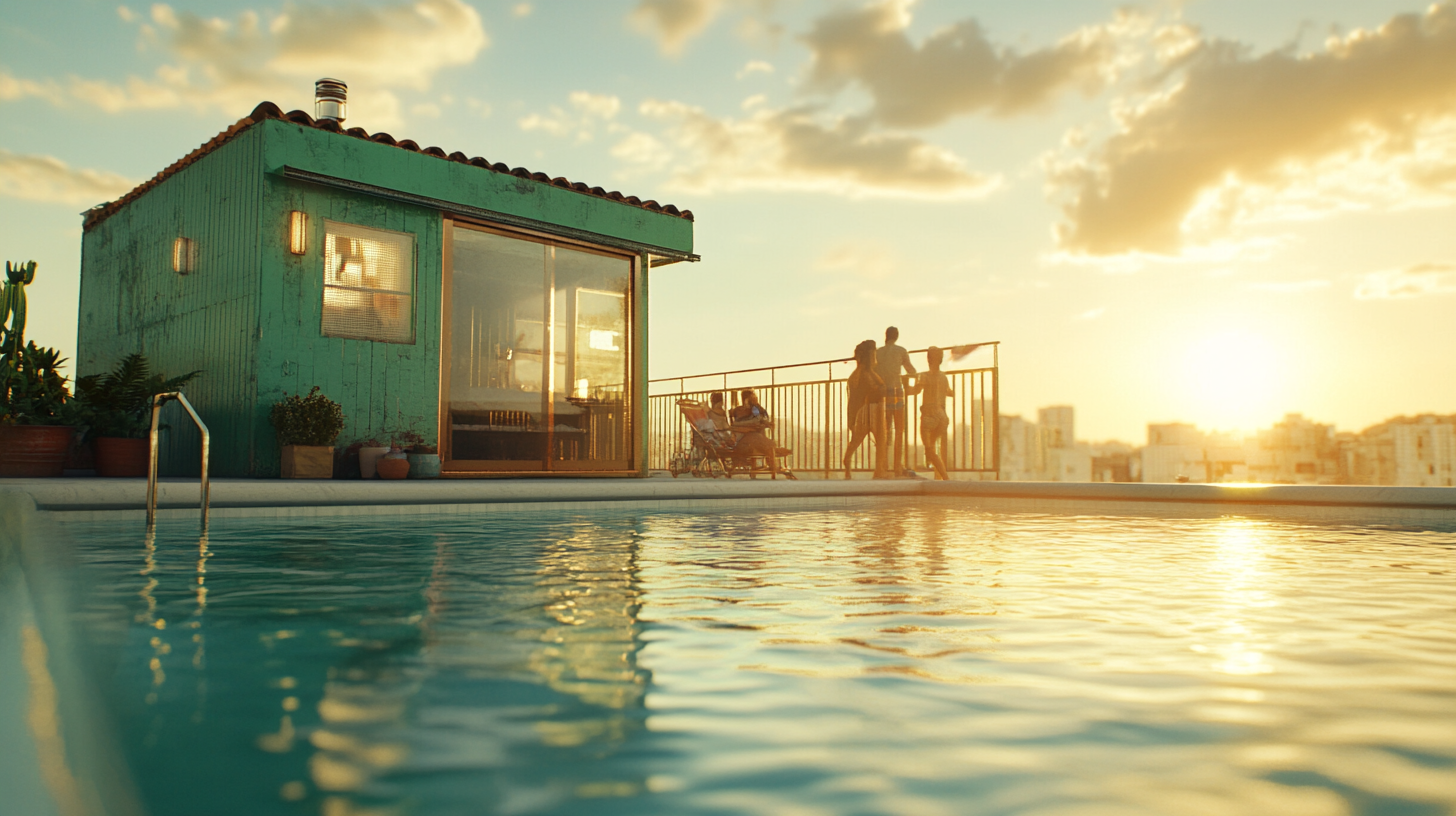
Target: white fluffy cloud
{"x":798,"y":150}
{"x":1415,"y":281}
{"x":674,"y":22}
{"x":585,"y":114}
{"x":213,"y":63}
{"x":1233,"y":138}
{"x":50,"y":180}
{"x":955,"y":71}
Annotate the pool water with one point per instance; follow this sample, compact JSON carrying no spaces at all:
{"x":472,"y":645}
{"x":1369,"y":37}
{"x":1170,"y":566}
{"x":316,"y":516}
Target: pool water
{"x":915,"y":658}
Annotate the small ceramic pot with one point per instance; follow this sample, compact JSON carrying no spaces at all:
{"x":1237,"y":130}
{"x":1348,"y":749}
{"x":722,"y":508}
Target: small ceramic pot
{"x":367,"y":458}
{"x":392,"y":468}
{"x":424,"y":465}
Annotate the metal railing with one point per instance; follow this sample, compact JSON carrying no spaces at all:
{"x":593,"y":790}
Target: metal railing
{"x":157,"y":402}
{"x":809,"y":405}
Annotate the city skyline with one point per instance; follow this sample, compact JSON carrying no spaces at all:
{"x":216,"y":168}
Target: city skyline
{"x":1159,"y":210}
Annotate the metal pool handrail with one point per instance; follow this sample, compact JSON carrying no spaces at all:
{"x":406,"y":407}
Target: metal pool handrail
{"x":157,"y":403}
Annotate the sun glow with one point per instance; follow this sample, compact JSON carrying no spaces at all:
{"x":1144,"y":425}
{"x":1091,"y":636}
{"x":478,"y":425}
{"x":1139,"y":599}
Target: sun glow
{"x":1232,"y":380}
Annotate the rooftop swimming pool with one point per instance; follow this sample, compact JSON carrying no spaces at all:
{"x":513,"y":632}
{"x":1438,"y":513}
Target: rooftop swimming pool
{"x":912,"y":657}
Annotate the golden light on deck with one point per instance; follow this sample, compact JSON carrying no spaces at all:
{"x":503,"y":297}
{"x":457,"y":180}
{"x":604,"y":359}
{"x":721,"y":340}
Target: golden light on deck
{"x":298,"y":232}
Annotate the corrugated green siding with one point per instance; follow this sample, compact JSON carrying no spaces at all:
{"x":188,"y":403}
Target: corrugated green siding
{"x":345,"y":157}
{"x":132,"y":301}
{"x":383,"y":387}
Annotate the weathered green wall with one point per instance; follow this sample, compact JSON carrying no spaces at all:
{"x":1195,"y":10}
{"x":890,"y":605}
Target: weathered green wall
{"x":132,"y":301}
{"x":330,"y":154}
{"x":250,"y":314}
{"x":383,"y":387}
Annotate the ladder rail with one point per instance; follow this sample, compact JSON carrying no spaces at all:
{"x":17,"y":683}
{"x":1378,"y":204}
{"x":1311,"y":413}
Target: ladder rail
{"x":157,"y":402}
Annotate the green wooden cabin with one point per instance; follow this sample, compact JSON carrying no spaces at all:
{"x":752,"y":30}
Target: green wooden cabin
{"x":497,"y":312}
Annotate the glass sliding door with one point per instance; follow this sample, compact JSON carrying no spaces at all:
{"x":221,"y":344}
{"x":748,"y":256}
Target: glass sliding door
{"x":536,"y":375}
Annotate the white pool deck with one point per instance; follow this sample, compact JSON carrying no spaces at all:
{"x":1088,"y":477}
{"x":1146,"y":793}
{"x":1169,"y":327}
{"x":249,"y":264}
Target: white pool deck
{"x":76,"y":499}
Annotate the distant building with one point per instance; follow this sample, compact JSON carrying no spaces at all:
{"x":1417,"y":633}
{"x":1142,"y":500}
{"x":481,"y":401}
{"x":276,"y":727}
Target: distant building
{"x":1413,"y":451}
{"x":1022,"y":457}
{"x":1058,"y":426}
{"x":1425,"y":452}
{"x":1295,"y":451}
{"x":1174,"y":453}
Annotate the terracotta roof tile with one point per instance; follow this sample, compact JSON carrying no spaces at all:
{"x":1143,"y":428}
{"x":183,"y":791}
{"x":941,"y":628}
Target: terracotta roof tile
{"x":268,"y":110}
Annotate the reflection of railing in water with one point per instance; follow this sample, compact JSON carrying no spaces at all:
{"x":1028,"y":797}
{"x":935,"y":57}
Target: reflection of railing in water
{"x":809,"y":404}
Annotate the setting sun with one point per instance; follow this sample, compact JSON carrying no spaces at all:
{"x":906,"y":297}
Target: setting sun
{"x":1233,"y":380}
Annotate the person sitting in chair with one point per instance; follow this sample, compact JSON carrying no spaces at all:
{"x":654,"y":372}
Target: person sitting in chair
{"x":750,"y":420}
{"x":716,"y":411}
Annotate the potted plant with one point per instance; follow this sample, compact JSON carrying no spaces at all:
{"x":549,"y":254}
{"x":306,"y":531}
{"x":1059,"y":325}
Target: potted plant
{"x":307,"y":427}
{"x":37,"y":416}
{"x":369,"y":452}
{"x":394,"y":464}
{"x":424,"y":461}
{"x":117,"y":410}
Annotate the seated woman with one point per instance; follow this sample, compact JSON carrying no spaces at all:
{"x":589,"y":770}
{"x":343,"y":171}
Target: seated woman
{"x":716,"y":411}
{"x":750,"y":420}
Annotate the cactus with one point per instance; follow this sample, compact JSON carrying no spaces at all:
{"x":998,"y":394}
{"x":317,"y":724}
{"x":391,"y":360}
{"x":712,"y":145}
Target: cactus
{"x":12,"y":308}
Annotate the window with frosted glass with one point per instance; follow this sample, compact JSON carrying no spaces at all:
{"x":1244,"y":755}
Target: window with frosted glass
{"x":369,"y":283}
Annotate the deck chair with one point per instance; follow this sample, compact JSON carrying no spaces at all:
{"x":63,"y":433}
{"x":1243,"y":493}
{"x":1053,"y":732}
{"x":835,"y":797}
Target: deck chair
{"x":714,"y":452}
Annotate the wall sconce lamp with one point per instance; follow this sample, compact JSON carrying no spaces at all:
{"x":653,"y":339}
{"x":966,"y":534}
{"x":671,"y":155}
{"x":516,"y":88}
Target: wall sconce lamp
{"x":298,"y":232}
{"x":184,"y":256}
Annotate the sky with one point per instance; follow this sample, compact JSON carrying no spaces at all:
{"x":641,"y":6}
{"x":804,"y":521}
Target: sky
{"x":1209,"y":212}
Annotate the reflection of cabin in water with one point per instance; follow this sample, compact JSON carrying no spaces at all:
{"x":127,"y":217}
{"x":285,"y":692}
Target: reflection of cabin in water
{"x":498,"y":311}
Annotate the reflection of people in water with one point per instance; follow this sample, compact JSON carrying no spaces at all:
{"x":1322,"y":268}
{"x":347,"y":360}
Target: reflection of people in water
{"x":934,"y":387}
{"x":750,"y":420}
{"x":866,"y":407}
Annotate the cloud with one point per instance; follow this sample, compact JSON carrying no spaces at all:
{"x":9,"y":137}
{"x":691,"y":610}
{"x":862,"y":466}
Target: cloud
{"x":798,"y":150}
{"x":587,"y":112}
{"x":956,"y":71}
{"x":1233,"y":138}
{"x":674,"y":22}
{"x":754,"y":67}
{"x":863,"y":259}
{"x":1288,"y":287}
{"x":232,"y":65}
{"x":1092,"y":314}
{"x":1415,"y":281}
{"x":50,"y":180}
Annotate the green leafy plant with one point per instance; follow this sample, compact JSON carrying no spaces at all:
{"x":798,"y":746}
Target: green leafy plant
{"x":307,"y":420}
{"x":32,"y":389}
{"x":119,"y":403}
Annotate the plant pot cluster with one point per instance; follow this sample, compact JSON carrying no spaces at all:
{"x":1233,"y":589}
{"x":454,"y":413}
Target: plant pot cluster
{"x":308,"y":427}
{"x":43,"y":425}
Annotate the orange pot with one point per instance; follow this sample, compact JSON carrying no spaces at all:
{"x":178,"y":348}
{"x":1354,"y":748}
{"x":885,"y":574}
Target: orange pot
{"x":122,"y":457}
{"x":29,"y":451}
{"x":392,"y":468}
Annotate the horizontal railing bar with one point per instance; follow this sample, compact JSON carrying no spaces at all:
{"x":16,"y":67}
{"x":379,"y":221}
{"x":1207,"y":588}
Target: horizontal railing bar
{"x":818,"y":363}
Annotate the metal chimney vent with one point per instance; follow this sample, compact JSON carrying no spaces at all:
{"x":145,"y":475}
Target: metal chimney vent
{"x":330,"y":100}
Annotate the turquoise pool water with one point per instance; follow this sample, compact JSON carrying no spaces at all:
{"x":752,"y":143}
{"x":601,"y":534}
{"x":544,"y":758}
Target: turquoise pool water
{"x":905,"y":659}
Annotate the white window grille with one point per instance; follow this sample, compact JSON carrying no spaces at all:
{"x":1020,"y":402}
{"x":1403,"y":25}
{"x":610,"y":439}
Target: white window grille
{"x":369,"y":283}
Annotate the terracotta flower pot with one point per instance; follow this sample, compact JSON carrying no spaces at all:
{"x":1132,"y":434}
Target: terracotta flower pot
{"x":30,"y":451}
{"x":307,"y":461}
{"x":392,"y":468}
{"x":117,"y":457}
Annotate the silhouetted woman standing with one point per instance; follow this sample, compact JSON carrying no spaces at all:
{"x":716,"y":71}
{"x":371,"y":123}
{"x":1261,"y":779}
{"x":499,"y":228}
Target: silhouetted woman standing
{"x":866,"y":407}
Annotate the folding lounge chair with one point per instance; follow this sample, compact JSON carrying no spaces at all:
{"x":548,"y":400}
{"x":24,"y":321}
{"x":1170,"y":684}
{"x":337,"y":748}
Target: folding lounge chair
{"x":714,"y":449}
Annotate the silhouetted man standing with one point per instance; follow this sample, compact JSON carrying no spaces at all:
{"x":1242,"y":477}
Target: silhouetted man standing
{"x":889,"y":362}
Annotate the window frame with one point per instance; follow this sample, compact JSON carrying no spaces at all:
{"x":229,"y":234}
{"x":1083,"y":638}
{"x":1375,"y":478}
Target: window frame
{"x":412,"y":294}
